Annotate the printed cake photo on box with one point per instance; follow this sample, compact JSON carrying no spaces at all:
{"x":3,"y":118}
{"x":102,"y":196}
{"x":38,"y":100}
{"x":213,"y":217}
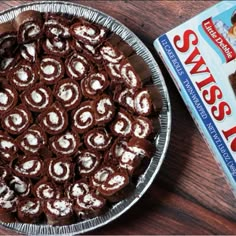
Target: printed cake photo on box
{"x":200,"y":56}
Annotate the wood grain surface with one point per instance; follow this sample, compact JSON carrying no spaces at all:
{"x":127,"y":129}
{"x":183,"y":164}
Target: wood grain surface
{"x":190,"y":194}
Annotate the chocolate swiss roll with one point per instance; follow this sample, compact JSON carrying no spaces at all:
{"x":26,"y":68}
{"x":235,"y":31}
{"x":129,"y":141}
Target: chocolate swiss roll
{"x":56,"y":46}
{"x":94,"y":84}
{"x":29,"y":26}
{"x":83,"y":117}
{"x":110,"y":54}
{"x":142,"y":147}
{"x":143,"y":102}
{"x":129,"y":75}
{"x":130,"y":160}
{"x":104,"y":109}
{"x":77,"y":66}
{"x":77,"y":189}
{"x":122,"y":125}
{"x":54,"y":120}
{"x":32,"y":140}
{"x":97,"y":139}
{"x":8,"y":147}
{"x":68,"y":93}
{"x":88,"y":33}
{"x":17,"y":120}
{"x":58,"y":211}
{"x":29,"y":51}
{"x":124,"y":97}
{"x":142,"y":127}
{"x":8,"y":202}
{"x":8,"y":39}
{"x":89,"y":205}
{"x":65,"y":144}
{"x":28,"y":166}
{"x":21,"y":186}
{"x":37,"y":98}
{"x":29,"y":210}
{"x":118,"y":147}
{"x":23,"y":75}
{"x":51,"y":69}
{"x":115,"y":187}
{"x":60,"y":170}
{"x":101,"y":175}
{"x":88,"y":161}
{"x":45,"y":189}
{"x":56,"y":26}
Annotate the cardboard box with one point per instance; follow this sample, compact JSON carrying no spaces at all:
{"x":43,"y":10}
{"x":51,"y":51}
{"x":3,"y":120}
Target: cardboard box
{"x":200,"y":56}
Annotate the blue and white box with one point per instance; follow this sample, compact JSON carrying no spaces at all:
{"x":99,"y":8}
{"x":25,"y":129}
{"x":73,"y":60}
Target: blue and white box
{"x":200,"y":55}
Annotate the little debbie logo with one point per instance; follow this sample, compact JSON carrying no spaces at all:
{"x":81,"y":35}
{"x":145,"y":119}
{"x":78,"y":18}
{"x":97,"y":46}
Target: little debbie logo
{"x":219,"y":40}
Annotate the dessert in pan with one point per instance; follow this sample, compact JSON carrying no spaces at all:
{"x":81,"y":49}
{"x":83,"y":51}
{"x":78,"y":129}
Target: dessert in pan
{"x":79,"y":115}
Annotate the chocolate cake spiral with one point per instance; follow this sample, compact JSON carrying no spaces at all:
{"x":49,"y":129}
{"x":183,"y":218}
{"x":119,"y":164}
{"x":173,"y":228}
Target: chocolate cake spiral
{"x":54,"y":120}
{"x":83,"y":117}
{"x":37,"y":98}
{"x":23,"y":75}
{"x":65,"y":144}
{"x":88,"y":33}
{"x":60,"y":170}
{"x":68,"y":92}
{"x":77,"y":66}
{"x":46,"y":190}
{"x":88,"y":161}
{"x":56,"y":47}
{"x":98,"y":139}
{"x":28,"y":166}
{"x":51,"y":69}
{"x":17,"y":120}
{"x":32,"y":140}
{"x":94,"y":84}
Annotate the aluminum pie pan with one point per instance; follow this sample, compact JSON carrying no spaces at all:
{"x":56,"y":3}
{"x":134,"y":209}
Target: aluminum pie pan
{"x":161,"y":141}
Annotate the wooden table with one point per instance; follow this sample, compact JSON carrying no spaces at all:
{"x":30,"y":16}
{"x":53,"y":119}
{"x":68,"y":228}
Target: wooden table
{"x":190,"y":195}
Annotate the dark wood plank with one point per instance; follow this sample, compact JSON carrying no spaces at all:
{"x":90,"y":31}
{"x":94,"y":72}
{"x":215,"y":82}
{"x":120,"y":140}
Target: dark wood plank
{"x":190,"y":194}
